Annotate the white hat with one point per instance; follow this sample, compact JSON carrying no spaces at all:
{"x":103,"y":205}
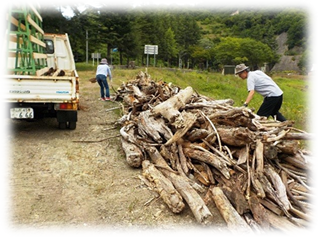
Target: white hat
{"x":103,"y":61}
{"x":240,"y":68}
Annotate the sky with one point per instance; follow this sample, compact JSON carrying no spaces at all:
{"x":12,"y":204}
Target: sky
{"x":69,"y":13}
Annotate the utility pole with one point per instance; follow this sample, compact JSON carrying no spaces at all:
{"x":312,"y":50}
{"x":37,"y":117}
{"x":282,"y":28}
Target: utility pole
{"x":86,"y":46}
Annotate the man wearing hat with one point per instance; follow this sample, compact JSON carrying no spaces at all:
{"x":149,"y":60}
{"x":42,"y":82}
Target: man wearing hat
{"x":103,"y":70}
{"x":261,"y":83}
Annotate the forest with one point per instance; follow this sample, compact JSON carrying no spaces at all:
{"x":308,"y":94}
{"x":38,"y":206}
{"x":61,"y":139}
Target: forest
{"x":188,"y":38}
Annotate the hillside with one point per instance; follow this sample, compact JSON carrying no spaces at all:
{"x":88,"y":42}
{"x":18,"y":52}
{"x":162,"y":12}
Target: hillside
{"x":286,"y":62}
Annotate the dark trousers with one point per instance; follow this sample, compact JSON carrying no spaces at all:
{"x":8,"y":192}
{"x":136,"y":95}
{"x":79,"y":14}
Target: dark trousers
{"x":271,"y":107}
{"x":102,"y":81}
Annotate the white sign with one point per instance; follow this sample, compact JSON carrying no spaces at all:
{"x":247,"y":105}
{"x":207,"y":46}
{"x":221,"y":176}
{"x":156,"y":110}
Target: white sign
{"x":151,"y":49}
{"x":96,"y":55}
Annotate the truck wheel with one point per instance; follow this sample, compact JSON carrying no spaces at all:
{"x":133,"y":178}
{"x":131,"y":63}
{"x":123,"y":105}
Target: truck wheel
{"x":72,"y":125}
{"x":62,"y":125}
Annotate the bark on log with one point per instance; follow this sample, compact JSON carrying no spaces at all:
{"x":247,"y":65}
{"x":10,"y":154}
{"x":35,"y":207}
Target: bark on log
{"x":163,"y":186}
{"x":232,"y":218}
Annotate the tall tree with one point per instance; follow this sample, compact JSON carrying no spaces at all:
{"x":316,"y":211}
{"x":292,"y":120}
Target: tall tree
{"x":116,"y":17}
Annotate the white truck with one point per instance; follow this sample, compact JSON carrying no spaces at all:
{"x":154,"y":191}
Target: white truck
{"x":41,"y":79}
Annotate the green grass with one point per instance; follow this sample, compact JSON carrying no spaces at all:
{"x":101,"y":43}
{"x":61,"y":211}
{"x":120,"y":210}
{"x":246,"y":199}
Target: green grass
{"x":218,"y":86}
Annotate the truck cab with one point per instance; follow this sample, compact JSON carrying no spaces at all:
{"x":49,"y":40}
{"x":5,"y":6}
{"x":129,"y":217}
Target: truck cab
{"x":41,"y":79}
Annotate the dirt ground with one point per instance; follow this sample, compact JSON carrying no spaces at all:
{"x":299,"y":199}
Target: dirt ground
{"x":79,"y":178}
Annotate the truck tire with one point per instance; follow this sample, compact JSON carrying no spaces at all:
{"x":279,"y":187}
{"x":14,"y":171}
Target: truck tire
{"x":62,"y":125}
{"x":72,"y":125}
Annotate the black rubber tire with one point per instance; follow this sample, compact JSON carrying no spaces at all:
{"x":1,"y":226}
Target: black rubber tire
{"x":62,"y":125}
{"x":72,"y":125}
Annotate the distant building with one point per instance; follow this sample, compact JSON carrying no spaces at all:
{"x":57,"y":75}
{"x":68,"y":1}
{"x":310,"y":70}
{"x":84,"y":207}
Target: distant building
{"x":228,"y":69}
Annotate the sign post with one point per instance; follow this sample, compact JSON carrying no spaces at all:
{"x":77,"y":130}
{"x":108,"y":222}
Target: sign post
{"x":151,"y":49}
{"x":97,"y":56}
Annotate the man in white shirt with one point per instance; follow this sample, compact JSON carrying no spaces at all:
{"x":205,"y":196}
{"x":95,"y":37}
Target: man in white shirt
{"x":102,"y":72}
{"x":261,"y":83}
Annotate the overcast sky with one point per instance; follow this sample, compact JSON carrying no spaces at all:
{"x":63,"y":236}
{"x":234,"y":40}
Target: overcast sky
{"x":69,"y":13}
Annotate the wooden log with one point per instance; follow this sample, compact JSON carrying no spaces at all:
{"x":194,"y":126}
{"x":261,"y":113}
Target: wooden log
{"x":183,"y":160}
{"x":300,"y":214}
{"x":236,"y":198}
{"x":281,"y":222}
{"x":257,"y":185}
{"x":301,"y":222}
{"x":243,"y":155}
{"x":197,"y":134}
{"x":92,"y":80}
{"x":169,"y":109}
{"x":163,"y":186}
{"x":209,"y":103}
{"x":201,"y":175}
{"x":299,"y":136}
{"x":236,"y":136}
{"x":44,"y":71}
{"x":296,"y":160}
{"x":134,"y":155}
{"x":307,"y":205}
{"x":279,"y":186}
{"x":271,"y":193}
{"x":270,"y":151}
{"x":193,"y":199}
{"x":253,"y":224}
{"x":169,"y":156}
{"x":189,"y":120}
{"x":290,"y":195}
{"x":271,"y":206}
{"x":259,"y":155}
{"x":288,"y":147}
{"x":207,"y":157}
{"x":258,"y":212}
{"x":149,"y":126}
{"x":234,"y":221}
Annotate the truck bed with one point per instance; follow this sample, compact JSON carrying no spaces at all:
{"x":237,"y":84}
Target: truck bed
{"x":24,"y":88}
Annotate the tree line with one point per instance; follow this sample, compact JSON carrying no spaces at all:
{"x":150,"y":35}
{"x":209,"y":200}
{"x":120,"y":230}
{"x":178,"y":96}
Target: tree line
{"x":188,"y":38}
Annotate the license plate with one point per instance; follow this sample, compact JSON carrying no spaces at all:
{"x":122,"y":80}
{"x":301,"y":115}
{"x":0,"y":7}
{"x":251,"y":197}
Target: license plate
{"x":21,"y":113}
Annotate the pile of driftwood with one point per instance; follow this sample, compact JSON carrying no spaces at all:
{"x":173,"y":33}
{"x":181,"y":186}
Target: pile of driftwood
{"x":194,"y":150}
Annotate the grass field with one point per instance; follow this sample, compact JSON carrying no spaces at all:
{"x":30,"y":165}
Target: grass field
{"x":217,"y":86}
